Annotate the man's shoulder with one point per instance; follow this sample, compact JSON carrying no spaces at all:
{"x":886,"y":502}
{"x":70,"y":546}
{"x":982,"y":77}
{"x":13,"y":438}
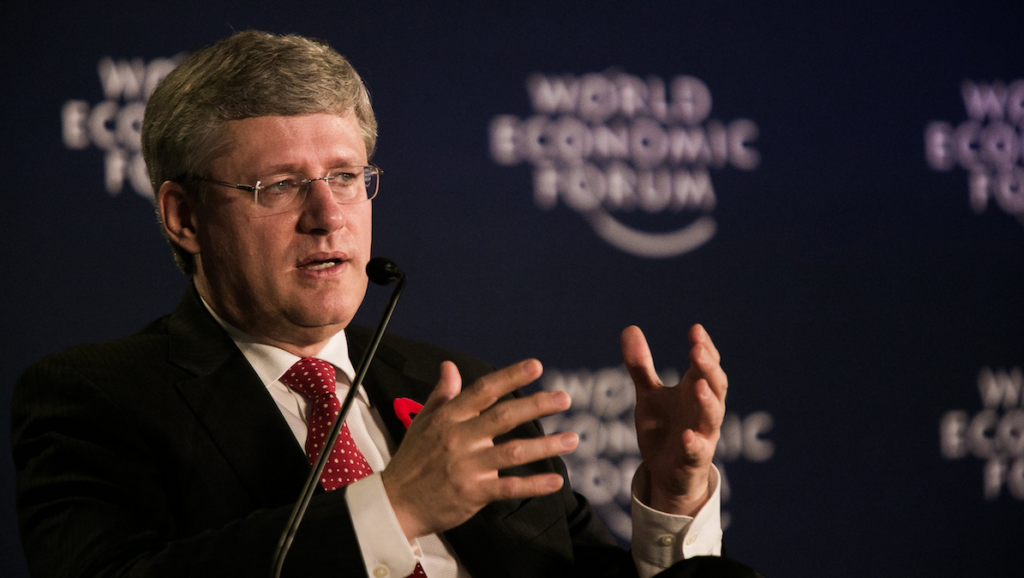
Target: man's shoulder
{"x":136,"y":366}
{"x":148,"y":343}
{"x":185,"y":342}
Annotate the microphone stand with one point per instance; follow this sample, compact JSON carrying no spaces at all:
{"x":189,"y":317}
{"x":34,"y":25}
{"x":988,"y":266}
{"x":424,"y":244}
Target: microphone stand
{"x":382,"y":272}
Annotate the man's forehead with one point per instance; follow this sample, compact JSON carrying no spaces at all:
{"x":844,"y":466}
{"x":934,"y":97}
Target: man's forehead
{"x":299,"y":125}
{"x":293,"y":142}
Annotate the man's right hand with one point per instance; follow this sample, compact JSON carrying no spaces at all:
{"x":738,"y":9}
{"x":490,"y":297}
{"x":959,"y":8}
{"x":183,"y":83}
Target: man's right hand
{"x":446,"y":469}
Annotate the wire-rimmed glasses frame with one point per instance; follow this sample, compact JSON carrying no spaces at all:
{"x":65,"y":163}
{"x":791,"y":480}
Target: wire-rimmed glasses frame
{"x":285,"y":192}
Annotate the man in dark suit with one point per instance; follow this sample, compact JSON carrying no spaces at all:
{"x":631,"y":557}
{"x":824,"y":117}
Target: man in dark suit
{"x":179,"y":450}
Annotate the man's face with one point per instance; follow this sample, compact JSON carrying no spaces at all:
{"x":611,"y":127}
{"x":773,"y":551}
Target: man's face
{"x":291,"y":279}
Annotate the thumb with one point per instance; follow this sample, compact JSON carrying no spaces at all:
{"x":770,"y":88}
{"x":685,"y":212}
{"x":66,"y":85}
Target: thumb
{"x":637,"y":356}
{"x":447,"y":388}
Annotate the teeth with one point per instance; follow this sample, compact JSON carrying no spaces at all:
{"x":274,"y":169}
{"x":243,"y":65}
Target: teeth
{"x":321,"y":266}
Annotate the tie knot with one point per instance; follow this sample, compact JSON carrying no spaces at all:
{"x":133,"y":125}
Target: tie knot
{"x":310,"y":376}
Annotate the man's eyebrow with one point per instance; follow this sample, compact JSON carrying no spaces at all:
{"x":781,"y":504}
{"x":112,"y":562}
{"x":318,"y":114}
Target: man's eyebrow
{"x":290,"y":168}
{"x":280,"y":169}
{"x":347,"y":162}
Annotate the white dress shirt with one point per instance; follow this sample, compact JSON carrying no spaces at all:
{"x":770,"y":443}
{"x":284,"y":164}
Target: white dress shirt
{"x":659,"y":539}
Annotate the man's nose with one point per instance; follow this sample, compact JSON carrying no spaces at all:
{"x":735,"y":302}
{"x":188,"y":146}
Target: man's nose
{"x":321,"y":213}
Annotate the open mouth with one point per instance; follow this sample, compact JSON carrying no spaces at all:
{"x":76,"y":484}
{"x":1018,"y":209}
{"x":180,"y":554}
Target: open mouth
{"x":320,"y":265}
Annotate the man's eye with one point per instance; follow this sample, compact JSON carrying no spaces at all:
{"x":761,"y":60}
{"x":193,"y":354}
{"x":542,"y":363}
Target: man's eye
{"x":343,"y":178}
{"x":282,"y":186}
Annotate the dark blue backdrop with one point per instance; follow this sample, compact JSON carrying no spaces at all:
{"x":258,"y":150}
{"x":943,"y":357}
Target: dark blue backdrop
{"x":854,"y":291}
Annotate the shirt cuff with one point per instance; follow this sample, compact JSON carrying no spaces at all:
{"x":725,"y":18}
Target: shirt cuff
{"x":386,"y":551}
{"x":660,"y":540}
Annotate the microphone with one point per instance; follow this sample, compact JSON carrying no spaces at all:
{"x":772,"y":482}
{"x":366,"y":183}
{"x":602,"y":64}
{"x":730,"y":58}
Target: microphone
{"x":382,"y":271}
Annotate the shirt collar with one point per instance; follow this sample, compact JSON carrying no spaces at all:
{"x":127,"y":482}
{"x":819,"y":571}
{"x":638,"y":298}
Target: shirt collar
{"x":271,"y":362}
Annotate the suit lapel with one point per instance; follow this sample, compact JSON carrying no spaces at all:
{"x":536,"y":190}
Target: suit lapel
{"x":386,"y":380}
{"x":235,"y":408}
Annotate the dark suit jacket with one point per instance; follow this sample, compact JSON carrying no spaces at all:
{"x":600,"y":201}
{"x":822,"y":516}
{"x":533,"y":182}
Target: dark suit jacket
{"x":162,"y":454}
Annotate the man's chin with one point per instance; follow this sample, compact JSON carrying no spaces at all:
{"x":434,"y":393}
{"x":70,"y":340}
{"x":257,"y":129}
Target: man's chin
{"x":329,"y":320}
{"x":304,"y":335}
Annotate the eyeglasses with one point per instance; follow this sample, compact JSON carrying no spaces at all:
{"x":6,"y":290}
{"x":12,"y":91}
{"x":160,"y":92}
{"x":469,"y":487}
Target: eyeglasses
{"x":280,"y":193}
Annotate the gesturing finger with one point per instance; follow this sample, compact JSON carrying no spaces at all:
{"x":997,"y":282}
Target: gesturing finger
{"x":699,"y":335}
{"x":447,"y":388}
{"x":524,"y":451}
{"x":712,"y":407}
{"x":515,"y":487}
{"x":505,"y":416}
{"x":487,"y":390}
{"x":637,"y":356}
{"x":704,"y":365}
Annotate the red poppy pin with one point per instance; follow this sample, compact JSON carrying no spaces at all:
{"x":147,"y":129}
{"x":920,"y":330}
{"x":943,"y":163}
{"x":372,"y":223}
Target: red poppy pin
{"x":406,"y":409}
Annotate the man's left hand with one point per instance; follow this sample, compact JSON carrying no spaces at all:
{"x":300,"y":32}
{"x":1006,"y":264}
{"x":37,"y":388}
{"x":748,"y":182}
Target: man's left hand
{"x":677,"y":427}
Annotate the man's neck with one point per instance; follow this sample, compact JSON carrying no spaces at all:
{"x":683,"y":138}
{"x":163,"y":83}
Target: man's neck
{"x":300,"y":350}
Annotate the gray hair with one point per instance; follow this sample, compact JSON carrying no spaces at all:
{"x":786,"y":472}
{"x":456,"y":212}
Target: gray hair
{"x":249,"y":74}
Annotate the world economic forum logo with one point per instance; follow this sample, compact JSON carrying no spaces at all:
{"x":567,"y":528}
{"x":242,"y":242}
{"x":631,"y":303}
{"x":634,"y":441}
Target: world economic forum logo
{"x":114,"y":124}
{"x":613,"y":145}
{"x":994,"y":434}
{"x":988,"y":145}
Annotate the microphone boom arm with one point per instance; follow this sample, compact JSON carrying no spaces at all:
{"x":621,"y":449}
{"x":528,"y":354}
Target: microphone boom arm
{"x":381,"y":271}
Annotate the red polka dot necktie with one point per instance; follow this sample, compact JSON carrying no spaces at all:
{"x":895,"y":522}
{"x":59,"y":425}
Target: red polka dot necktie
{"x":315,"y":379}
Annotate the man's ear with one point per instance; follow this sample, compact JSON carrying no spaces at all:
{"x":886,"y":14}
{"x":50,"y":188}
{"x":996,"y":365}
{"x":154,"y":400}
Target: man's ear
{"x":178,"y":215}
